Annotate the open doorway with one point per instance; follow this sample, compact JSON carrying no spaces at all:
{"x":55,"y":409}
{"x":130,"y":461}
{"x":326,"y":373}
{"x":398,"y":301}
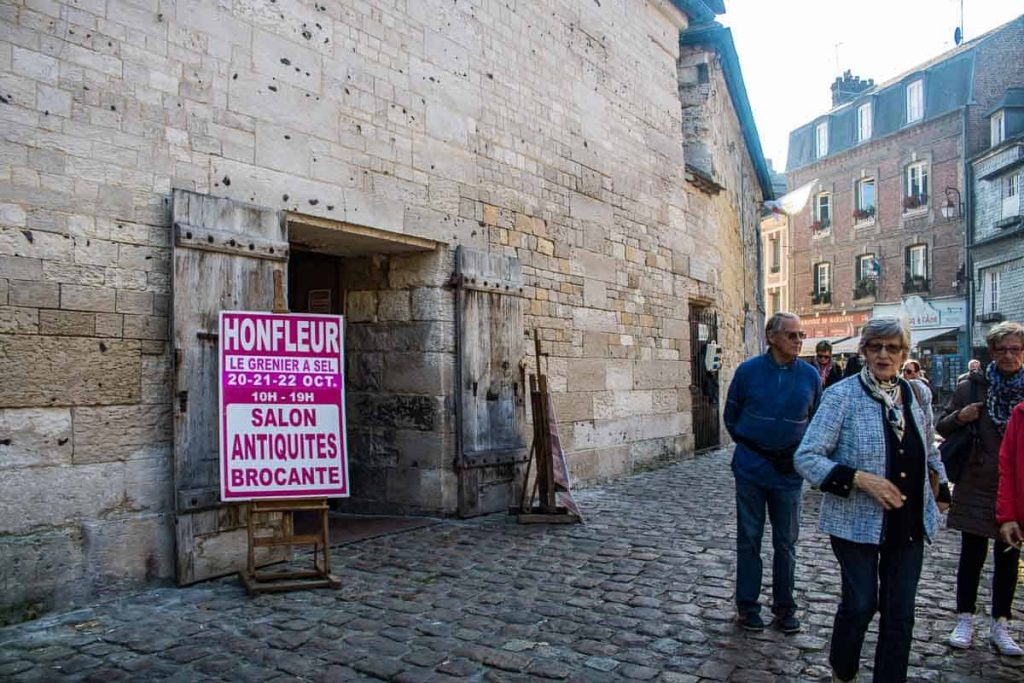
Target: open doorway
{"x":315,"y":283}
{"x":398,"y":350}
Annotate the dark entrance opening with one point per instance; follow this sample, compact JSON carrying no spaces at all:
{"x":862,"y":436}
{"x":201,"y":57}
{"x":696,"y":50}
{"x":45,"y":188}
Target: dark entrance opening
{"x":704,"y":390}
{"x":315,"y":284}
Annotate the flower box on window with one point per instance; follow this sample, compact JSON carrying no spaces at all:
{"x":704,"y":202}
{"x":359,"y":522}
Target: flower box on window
{"x":864,"y":214}
{"x":820,"y":226}
{"x":915,"y":284}
{"x":914,"y":201}
{"x":864,"y":288}
{"x":821,"y":298}
{"x":993,"y":317}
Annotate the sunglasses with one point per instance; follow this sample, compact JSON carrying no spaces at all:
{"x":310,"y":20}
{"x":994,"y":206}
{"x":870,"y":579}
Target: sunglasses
{"x":909,"y":371}
{"x":1012,"y":350}
{"x":891,"y":349}
{"x":793,"y":336}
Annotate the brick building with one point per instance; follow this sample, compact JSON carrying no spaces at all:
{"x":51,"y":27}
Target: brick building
{"x":997,"y":236}
{"x":450,"y":176}
{"x":888,"y":158}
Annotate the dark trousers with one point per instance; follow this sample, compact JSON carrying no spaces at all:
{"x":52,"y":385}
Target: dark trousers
{"x":882,"y":579}
{"x":783,"y":508}
{"x":973,"y":549}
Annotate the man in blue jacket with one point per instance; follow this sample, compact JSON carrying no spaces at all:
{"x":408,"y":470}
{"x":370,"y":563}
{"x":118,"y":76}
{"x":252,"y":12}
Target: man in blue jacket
{"x":770,"y":403}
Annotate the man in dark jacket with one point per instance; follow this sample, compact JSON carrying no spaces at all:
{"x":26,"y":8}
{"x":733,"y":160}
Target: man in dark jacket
{"x":770,"y":403}
{"x":825,"y":365}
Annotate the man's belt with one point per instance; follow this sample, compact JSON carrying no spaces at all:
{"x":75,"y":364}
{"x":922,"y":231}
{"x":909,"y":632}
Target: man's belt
{"x":775,"y":455}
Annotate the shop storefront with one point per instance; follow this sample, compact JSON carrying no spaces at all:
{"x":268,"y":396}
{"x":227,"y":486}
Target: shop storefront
{"x":937,"y":335}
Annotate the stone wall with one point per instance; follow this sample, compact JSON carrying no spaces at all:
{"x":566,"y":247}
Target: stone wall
{"x":726,"y":269}
{"x":546,"y":131}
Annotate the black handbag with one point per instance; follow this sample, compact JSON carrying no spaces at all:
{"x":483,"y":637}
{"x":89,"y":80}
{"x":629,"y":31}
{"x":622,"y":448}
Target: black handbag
{"x":957,"y":447}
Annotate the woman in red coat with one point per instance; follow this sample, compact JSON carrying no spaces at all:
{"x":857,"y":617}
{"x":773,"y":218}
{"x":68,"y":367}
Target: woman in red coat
{"x":1010,"y":498}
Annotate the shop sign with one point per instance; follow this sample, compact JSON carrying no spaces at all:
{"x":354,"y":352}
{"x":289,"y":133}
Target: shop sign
{"x":282,"y":408}
{"x":834,"y":324}
{"x":927,"y":313}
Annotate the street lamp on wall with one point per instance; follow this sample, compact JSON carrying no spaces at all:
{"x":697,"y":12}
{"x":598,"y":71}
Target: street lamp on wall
{"x":953,"y":208}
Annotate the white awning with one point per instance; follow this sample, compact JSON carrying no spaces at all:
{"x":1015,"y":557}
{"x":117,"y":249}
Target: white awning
{"x":852,"y":344}
{"x":849,"y":345}
{"x":808,"y":347}
{"x":918,"y":336}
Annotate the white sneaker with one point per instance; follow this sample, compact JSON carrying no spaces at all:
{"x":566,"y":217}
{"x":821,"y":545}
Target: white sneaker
{"x":1002,"y":641}
{"x":963,"y":634}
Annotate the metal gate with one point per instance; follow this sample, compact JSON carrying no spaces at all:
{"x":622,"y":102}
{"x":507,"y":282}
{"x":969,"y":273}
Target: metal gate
{"x":704,"y":383}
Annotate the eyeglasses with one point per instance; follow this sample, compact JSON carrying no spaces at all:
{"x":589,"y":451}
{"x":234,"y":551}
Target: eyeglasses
{"x":793,"y":336}
{"x":909,"y":371}
{"x":1012,"y":350}
{"x":891,"y":349}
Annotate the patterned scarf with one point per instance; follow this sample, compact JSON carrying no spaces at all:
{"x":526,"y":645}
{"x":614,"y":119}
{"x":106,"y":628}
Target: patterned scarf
{"x":823,"y":370}
{"x":888,"y":392}
{"x":1003,"y":394}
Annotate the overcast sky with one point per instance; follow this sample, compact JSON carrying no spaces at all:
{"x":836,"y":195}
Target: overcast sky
{"x":788,"y":49}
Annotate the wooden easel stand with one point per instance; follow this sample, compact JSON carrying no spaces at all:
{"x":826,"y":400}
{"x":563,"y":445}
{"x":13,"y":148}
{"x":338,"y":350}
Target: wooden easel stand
{"x":319,"y":576}
{"x":547,"y":510}
{"x":276,"y":581}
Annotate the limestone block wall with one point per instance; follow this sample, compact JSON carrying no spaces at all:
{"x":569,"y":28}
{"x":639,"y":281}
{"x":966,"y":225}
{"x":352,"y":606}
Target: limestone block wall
{"x":726,"y":270}
{"x":400,"y":357}
{"x":546,"y":131}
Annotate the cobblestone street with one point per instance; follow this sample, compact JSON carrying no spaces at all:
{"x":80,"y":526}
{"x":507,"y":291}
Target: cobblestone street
{"x":642,"y":592}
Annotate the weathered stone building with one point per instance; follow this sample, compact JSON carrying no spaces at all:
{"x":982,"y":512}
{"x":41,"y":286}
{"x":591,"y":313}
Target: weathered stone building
{"x":997,"y":236}
{"x":883,"y":233}
{"x":450,"y":176}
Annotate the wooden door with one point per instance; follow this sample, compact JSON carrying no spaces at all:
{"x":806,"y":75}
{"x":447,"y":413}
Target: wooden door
{"x":225,"y":256}
{"x":491,"y":395}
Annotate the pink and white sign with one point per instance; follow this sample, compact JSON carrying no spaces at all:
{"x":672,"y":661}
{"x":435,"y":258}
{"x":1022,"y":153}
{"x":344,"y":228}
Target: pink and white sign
{"x":282,"y":407}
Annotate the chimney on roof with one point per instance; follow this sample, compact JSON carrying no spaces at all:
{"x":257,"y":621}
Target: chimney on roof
{"x":848,"y":87}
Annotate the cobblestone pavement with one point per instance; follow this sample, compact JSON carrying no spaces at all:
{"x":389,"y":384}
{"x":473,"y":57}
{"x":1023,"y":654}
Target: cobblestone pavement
{"x":642,"y":591}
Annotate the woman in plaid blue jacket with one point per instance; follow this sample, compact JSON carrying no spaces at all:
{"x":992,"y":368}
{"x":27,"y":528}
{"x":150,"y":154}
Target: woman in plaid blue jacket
{"x":870,"y":448}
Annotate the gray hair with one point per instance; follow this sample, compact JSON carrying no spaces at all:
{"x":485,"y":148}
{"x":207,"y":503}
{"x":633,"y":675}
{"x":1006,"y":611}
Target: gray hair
{"x":774,"y":323}
{"x":1002,"y":331}
{"x":883,"y":327}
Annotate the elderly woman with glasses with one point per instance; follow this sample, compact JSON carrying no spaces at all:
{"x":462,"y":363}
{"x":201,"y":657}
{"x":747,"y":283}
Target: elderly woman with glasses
{"x":870,"y":450}
{"x":985,"y":398}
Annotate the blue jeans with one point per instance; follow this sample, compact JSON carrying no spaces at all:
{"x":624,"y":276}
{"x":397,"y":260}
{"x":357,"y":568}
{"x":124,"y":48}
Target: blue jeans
{"x":783,"y":507}
{"x":879,"y":579}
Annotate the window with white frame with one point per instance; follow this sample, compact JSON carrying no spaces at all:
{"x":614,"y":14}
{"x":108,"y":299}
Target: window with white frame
{"x":863,"y":122}
{"x":915,"y":101}
{"x":822,"y":278}
{"x":1011,"y":195}
{"x":775,"y":244}
{"x":822,"y":210}
{"x":917,"y":261}
{"x":997,"y":128}
{"x":990,"y":290}
{"x":821,"y":140}
{"x":917,"y":186}
{"x":774,"y":301}
{"x":865,"y":198}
